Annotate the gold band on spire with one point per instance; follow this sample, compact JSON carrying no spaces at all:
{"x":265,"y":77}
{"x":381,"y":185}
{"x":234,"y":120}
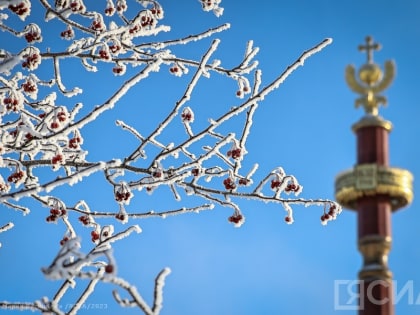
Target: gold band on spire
{"x":371,"y":79}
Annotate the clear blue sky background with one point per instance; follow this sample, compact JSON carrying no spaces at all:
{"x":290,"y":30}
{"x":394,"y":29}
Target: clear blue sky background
{"x":266,"y":266}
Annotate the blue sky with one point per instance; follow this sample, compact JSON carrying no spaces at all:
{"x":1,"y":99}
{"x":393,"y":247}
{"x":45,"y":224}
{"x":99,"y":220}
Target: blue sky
{"x":266,"y":266}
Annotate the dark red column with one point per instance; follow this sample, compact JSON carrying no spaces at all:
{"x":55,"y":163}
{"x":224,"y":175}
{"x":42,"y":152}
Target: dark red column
{"x":374,"y":228}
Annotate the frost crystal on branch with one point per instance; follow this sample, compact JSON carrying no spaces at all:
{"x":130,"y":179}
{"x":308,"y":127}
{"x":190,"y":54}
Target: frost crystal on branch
{"x":44,"y":145}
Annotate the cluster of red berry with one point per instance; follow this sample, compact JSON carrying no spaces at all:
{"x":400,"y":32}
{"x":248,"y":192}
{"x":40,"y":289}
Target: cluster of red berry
{"x":245,"y":89}
{"x":64,"y":240}
{"x":68,"y":33}
{"x":207,"y":2}
{"x":19,"y":9}
{"x":147,"y":21}
{"x":134,"y":29}
{"x":31,"y":61}
{"x":12,"y":104}
{"x":54,"y":125}
{"x":173,"y":69}
{"x":109,"y":11}
{"x":234,"y":153}
{"x":229,"y":183}
{"x":275,"y":184}
{"x":157,"y":173}
{"x":103,"y":54}
{"x":122,"y":196}
{"x":330,"y":214}
{"x":77,"y":6}
{"x":84,"y":219}
{"x":236,"y":218}
{"x":57,"y":159}
{"x":121,"y":6}
{"x":29,"y":87}
{"x":187,"y":116}
{"x":55,"y":214}
{"x":292,"y":187}
{"x":32,"y":37}
{"x":118,"y":70}
{"x":114,"y":48}
{"x":243,"y":181}
{"x":94,"y":235}
{"x":74,"y":142}
{"x":120,"y":216}
{"x":155,"y":11}
{"x":195,"y":171}
{"x":97,"y":25}
{"x":61,"y":116}
{"x":16,"y":177}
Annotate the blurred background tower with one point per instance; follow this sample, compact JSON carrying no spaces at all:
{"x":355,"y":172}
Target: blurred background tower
{"x":372,"y":188}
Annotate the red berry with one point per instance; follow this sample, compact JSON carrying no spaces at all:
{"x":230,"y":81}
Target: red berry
{"x":114,"y":48}
{"x":288,"y":219}
{"x":28,"y":87}
{"x":84,"y":219}
{"x":243,"y":181}
{"x":51,"y":218}
{"x":120,"y":216}
{"x":275,"y":184}
{"x":186,"y":116}
{"x":55,"y":211}
{"x":157,"y":174}
{"x":109,"y":268}
{"x":57,"y":159}
{"x":95,"y":236}
{"x":229,"y":183}
{"x":332,"y":210}
{"x":235,"y":153}
{"x":61,"y":116}
{"x":54,"y":125}
{"x":64,"y":240}
{"x":235,"y":218}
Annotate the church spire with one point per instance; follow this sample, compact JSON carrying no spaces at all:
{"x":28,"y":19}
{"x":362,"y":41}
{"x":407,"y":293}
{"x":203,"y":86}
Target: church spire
{"x":372,"y":188}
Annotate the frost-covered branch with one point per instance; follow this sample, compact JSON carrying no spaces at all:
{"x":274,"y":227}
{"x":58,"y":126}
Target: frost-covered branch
{"x":44,"y":131}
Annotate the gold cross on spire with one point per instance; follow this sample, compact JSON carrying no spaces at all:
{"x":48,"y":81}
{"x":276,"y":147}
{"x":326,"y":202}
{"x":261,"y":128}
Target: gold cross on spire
{"x":369,"y":48}
{"x":372,"y":81}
